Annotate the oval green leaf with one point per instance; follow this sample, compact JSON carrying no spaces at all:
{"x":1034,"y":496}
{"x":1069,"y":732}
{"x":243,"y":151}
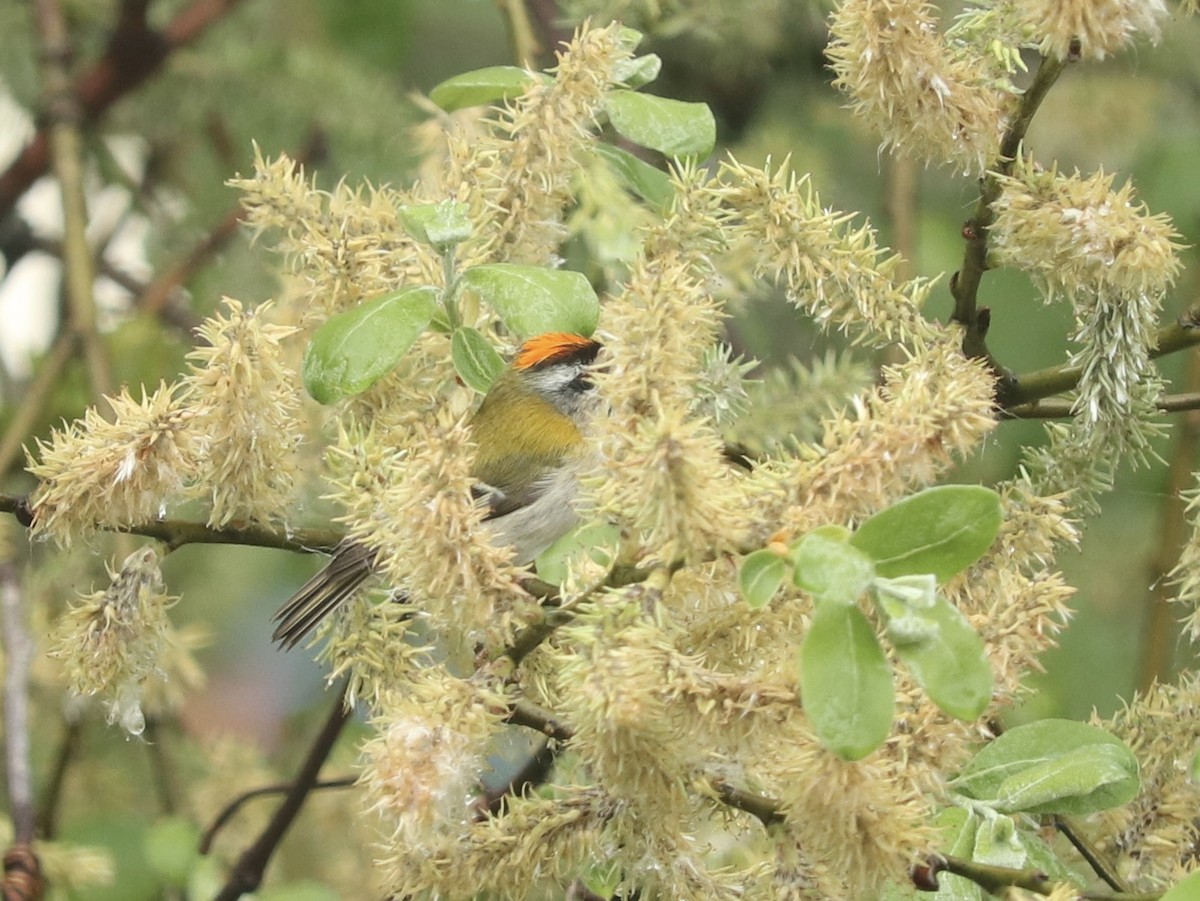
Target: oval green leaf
{"x":950,"y":663}
{"x":651,"y":184}
{"x":489,"y":85}
{"x":998,"y":843}
{"x":846,"y":683}
{"x":637,"y":71}
{"x":760,"y":576}
{"x":1076,"y":769}
{"x":828,"y":568}
{"x":532,"y":300}
{"x":1079,"y":782}
{"x":940,"y":530}
{"x":355,"y":348}
{"x":475,"y":360}
{"x":671,"y":127}
{"x":957,"y":827}
{"x":439,"y":225}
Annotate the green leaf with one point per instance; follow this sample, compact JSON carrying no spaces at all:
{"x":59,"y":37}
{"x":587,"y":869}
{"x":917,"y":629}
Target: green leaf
{"x":958,"y":828}
{"x":489,"y":85}
{"x":941,"y":530}
{"x":439,"y":225}
{"x":1052,"y":766}
{"x":671,"y":127}
{"x":532,"y":300}
{"x":1188,"y":889}
{"x":651,"y":184}
{"x":475,"y":360}
{"x":828,"y":568}
{"x":949,"y":661}
{"x":997,"y":842}
{"x":355,"y":348}
{"x":599,"y":540}
{"x":1076,"y":783}
{"x":846,"y":682}
{"x":761,"y":575}
{"x":903,"y":602}
{"x":637,"y":71}
{"x":170,"y":848}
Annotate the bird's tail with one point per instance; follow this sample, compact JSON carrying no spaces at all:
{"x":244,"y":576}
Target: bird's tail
{"x":349,"y":567}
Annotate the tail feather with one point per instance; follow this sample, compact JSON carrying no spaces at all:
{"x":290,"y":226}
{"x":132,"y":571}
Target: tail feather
{"x":350,"y":566}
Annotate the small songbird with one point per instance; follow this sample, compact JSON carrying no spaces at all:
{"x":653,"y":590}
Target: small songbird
{"x":529,"y":455}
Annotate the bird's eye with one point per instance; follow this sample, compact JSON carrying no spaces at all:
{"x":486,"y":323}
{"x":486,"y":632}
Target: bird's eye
{"x":581,"y":382}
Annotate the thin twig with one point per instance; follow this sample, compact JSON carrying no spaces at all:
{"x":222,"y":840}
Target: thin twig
{"x":1089,"y":853}
{"x":176,"y":533}
{"x":33,"y":404}
{"x":768,"y":811}
{"x":1183,"y":333}
{"x":965,"y":284}
{"x":68,"y":748}
{"x":18,"y":653}
{"x":995,"y":879}
{"x":134,"y":53}
{"x":231,"y":809}
{"x":248,"y":871}
{"x":527,"y":714}
{"x":63,"y":115}
{"x":1055,"y":408}
{"x":160,"y":766}
{"x":531,"y":774}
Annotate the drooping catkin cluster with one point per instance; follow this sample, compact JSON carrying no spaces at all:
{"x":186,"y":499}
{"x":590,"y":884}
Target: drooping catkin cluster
{"x":1103,"y":251}
{"x":833,"y":270}
{"x":934,"y":407}
{"x":245,"y":400}
{"x":105,"y":474}
{"x":112,"y":641}
{"x":346,"y":245}
{"x":518,"y":184}
{"x":928,"y":98}
{"x":1156,"y":837}
{"x":1187,"y":571}
{"x":662,"y":472}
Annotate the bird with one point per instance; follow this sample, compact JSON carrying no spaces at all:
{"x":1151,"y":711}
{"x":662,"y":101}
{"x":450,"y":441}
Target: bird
{"x":530,"y":451}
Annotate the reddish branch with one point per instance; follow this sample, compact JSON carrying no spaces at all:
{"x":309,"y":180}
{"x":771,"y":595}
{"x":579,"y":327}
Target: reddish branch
{"x":134,"y":53}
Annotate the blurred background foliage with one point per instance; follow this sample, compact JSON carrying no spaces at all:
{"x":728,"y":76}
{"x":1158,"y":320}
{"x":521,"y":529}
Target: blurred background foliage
{"x":337,"y":83}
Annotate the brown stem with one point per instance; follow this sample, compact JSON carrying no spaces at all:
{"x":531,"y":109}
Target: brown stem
{"x":134,"y":53}
{"x":248,"y":871}
{"x":965,"y":284}
{"x":62,"y":113}
{"x":533,"y":773}
{"x":68,"y":748}
{"x":33,"y":404}
{"x":1056,"y":408}
{"x":1088,"y":852}
{"x":1184,"y":332}
{"x":175,"y":533}
{"x":279,"y":788}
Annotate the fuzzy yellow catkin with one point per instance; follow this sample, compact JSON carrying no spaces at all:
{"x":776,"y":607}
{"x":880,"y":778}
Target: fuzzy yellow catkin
{"x":1091,"y":29}
{"x":99,"y":473}
{"x":112,"y":640}
{"x":1153,"y":835}
{"x":926,"y":100}
{"x":245,"y":399}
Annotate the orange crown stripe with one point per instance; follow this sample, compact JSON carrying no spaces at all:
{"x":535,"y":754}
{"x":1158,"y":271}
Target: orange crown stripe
{"x":552,"y":347}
